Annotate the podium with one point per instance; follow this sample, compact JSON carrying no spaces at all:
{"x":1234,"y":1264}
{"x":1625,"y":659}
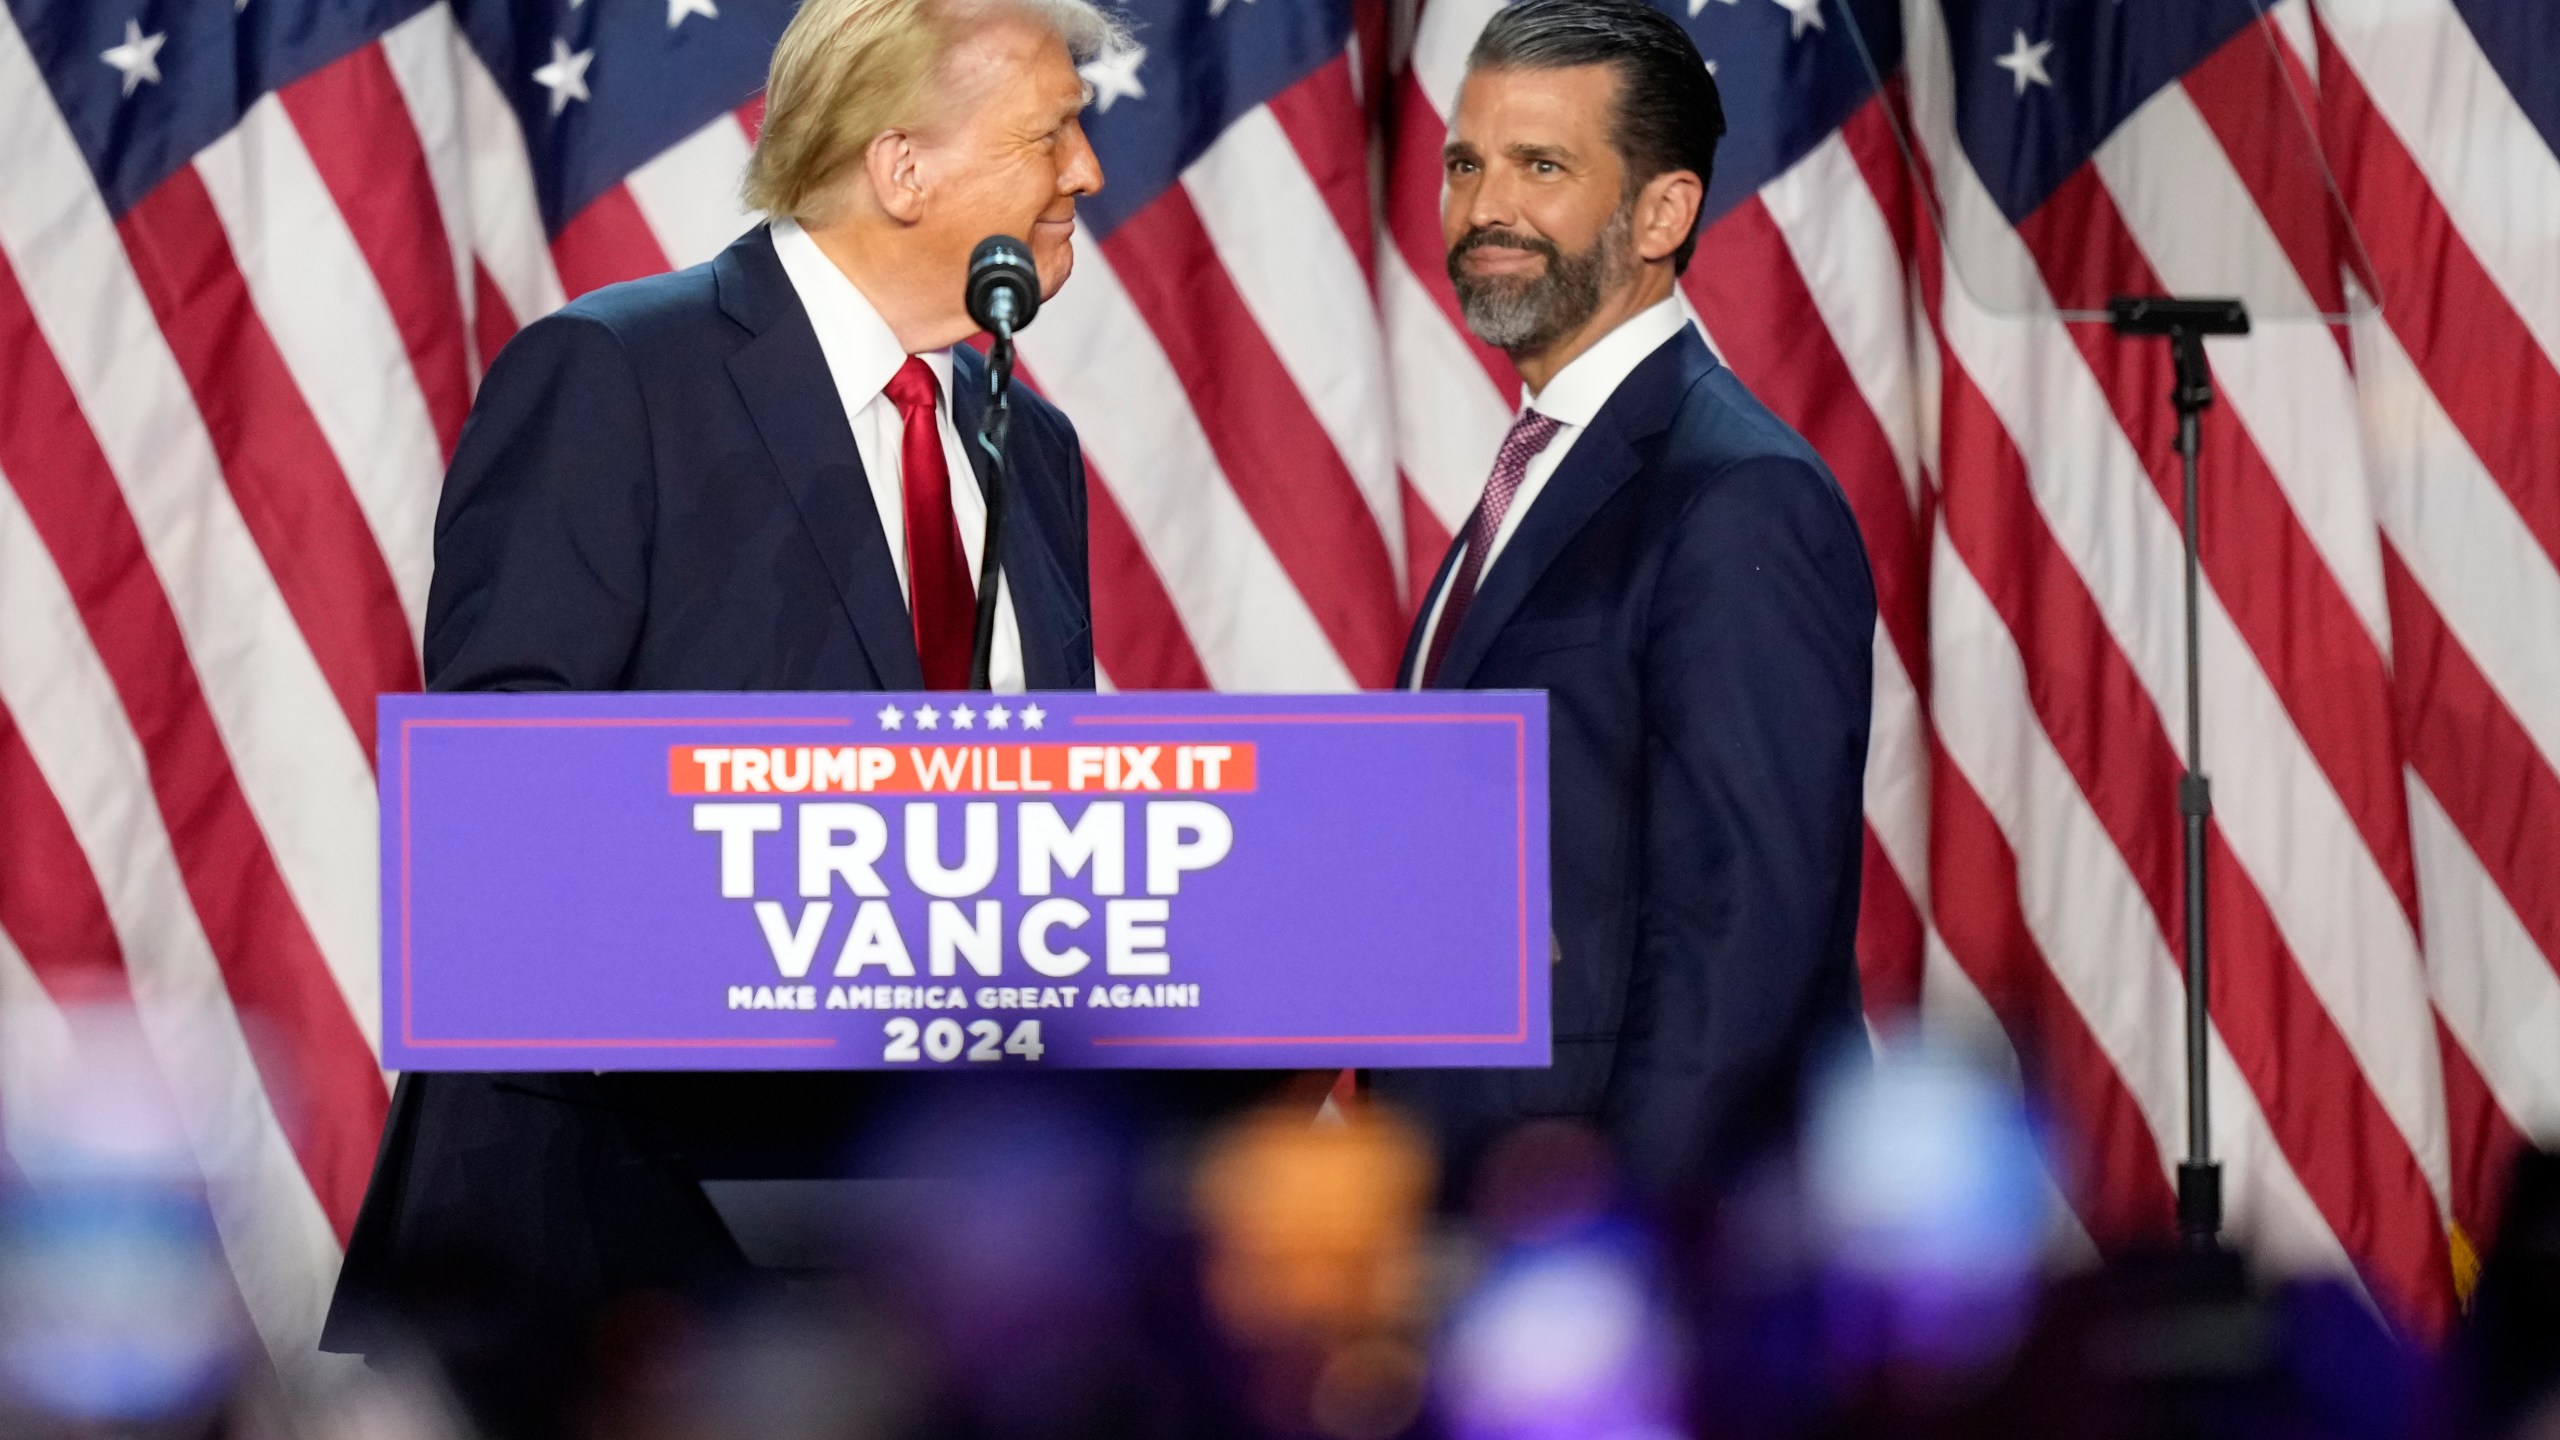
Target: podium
{"x":592,"y":895}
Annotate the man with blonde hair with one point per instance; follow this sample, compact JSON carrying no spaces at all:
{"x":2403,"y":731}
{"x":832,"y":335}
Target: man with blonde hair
{"x":749,"y":475}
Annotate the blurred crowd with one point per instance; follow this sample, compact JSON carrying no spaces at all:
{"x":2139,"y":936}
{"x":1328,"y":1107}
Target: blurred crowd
{"x":1047,"y":1271}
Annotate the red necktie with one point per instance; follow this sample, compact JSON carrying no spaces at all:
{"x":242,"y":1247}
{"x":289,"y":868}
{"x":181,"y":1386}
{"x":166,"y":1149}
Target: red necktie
{"x":1529,"y":435}
{"x":939,"y":593}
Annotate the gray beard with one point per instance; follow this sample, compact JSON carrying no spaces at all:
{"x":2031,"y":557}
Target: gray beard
{"x":1525,"y":316}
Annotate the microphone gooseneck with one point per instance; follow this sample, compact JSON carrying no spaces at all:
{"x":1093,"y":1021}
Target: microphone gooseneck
{"x":1003,"y":294}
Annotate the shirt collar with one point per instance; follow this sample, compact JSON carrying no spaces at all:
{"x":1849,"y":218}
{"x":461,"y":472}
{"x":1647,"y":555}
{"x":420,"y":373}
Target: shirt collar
{"x":860,"y":347}
{"x":1575,"y":394}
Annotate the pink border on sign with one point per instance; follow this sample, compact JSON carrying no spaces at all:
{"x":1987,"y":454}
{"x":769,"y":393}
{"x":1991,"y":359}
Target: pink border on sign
{"x":408,"y":1035}
{"x":1520,"y":777}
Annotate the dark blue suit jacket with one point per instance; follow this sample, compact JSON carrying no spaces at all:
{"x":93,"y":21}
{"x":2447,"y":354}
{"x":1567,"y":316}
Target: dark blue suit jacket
{"x":658,"y":490}
{"x":1691,"y":592}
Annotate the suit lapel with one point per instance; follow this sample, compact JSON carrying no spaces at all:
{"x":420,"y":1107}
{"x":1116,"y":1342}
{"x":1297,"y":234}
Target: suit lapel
{"x":1042,"y":599}
{"x":1601,"y":462}
{"x":1593,"y":470}
{"x":783,"y":377}
{"x":1410,"y":665}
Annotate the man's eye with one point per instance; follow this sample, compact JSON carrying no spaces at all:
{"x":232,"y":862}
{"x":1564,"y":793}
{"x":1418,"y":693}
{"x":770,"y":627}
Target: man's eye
{"x":1461,"y":167}
{"x":1546,"y":167}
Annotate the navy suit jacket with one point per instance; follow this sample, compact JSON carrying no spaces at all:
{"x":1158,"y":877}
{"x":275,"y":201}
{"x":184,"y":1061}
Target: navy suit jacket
{"x":658,"y":490}
{"x":1691,"y":592}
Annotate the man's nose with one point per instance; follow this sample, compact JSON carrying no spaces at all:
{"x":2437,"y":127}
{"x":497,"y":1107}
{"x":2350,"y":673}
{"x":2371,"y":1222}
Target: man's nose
{"x":1492,"y":203}
{"x":1082,"y":174}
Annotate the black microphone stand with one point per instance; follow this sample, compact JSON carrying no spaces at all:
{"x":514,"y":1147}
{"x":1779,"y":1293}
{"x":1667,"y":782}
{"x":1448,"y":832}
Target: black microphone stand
{"x":2185,"y":323}
{"x":1003,"y":293}
{"x":992,"y":428}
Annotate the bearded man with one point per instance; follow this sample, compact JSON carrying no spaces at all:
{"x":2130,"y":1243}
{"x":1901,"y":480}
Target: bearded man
{"x":1681,"y":574}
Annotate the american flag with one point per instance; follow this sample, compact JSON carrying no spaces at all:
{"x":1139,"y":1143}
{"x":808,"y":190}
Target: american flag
{"x":254,"y":255}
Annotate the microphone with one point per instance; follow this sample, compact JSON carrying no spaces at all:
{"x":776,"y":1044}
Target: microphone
{"x":1004,"y":286}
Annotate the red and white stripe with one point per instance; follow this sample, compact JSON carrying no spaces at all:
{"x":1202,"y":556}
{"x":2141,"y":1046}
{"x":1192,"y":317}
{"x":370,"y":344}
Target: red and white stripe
{"x":2444,"y":178}
{"x":192,"y":561}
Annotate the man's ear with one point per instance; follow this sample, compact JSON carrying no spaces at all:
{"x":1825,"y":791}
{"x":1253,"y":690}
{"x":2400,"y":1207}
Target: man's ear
{"x":891,"y":165}
{"x":1666,"y":211}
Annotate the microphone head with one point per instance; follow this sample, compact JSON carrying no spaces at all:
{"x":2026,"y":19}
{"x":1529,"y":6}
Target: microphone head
{"x":1004,"y":286}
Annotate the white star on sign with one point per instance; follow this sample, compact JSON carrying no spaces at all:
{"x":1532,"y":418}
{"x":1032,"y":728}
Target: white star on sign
{"x":1032,"y":715}
{"x":998,"y":717}
{"x":138,"y":58}
{"x":928,"y":718}
{"x":1802,"y":15}
{"x":1114,"y":76}
{"x":678,"y":9}
{"x":566,"y":76}
{"x":963,"y":718}
{"x":891,"y":717}
{"x":2025,"y":62}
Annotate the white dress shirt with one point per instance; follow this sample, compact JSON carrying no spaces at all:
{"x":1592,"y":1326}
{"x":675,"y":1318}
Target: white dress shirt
{"x":1573,"y":398}
{"x":863,"y":355}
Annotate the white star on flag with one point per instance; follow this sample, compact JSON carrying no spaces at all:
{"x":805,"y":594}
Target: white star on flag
{"x":678,"y":9}
{"x":963,"y":718}
{"x":998,"y":717}
{"x":928,"y":718}
{"x":566,"y":76}
{"x":1114,"y":76}
{"x":891,"y":717}
{"x":137,"y":59}
{"x":1802,"y":15}
{"x":2025,"y":62}
{"x":1032,"y":715}
{"x":1697,"y":5}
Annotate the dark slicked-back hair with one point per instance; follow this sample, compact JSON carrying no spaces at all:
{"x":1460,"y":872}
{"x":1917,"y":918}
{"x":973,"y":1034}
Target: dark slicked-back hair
{"x":1669,"y":115}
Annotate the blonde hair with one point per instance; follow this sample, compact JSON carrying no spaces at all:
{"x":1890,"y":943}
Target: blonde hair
{"x":847,"y":70}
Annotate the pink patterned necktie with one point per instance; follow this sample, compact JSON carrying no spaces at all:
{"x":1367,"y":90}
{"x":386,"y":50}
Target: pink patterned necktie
{"x":1529,"y":435}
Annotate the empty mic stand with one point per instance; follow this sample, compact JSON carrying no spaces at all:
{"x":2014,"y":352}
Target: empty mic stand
{"x":2185,"y":323}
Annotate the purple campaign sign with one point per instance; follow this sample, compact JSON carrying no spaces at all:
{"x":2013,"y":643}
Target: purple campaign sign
{"x":954,"y":881}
